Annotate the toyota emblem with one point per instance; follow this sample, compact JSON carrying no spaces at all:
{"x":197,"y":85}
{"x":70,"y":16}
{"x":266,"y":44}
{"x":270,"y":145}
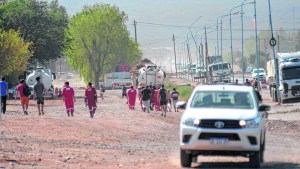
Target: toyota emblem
{"x":219,"y":124}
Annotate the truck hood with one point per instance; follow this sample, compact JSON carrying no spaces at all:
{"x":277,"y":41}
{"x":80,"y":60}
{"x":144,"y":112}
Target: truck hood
{"x":212,"y":113}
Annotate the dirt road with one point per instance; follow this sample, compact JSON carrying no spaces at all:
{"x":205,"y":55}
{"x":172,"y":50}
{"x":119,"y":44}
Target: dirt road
{"x":119,"y":138}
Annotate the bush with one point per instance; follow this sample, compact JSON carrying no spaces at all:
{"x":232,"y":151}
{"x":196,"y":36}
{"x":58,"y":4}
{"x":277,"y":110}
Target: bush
{"x":184,"y":92}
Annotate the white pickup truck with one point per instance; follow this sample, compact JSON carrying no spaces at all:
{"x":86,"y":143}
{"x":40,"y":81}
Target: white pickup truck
{"x":261,"y":74}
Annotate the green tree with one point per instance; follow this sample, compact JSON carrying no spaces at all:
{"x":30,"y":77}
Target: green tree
{"x":98,"y":39}
{"x":39,"y":22}
{"x":14,"y":52}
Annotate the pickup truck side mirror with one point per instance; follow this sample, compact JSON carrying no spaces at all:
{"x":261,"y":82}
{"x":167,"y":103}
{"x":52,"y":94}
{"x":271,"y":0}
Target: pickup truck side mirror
{"x":264,"y":107}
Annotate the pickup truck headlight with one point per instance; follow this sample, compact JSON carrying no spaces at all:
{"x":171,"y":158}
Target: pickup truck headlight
{"x":191,"y":122}
{"x":253,"y":123}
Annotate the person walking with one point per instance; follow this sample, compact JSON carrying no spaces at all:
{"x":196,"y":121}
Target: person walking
{"x":39,"y":95}
{"x":56,"y":92}
{"x":24,"y":92}
{"x":131,"y":95}
{"x":174,"y":97}
{"x":124,"y":91}
{"x":236,"y":81}
{"x":156,"y":99}
{"x":68,"y":96}
{"x":101,"y":91}
{"x":140,"y":96}
{"x":146,"y":94}
{"x":59,"y":92}
{"x":91,"y":99}
{"x":247,"y":82}
{"x":152,"y":98}
{"x":3,"y":94}
{"x":162,"y":95}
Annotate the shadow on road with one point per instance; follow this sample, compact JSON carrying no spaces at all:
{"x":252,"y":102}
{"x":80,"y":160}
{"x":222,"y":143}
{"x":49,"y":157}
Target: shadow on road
{"x":245,"y":165}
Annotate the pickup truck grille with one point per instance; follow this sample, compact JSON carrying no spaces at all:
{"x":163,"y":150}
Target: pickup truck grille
{"x":229,"y":136}
{"x":228,"y":124}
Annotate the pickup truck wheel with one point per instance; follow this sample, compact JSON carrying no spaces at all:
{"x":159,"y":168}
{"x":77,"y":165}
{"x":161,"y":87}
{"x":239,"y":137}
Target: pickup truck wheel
{"x":255,"y":159}
{"x":262,"y":152}
{"x":185,"y":159}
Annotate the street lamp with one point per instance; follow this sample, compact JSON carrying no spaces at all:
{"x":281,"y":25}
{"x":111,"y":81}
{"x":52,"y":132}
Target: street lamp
{"x":222,"y":35}
{"x":256,"y":42}
{"x":242,"y":20}
{"x":231,"y":51}
{"x":230,"y":20}
{"x":174,"y":55}
{"x":220,"y":17}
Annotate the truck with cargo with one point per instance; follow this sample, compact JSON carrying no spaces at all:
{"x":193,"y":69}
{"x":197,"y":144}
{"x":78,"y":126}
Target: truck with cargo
{"x":46,"y":77}
{"x":289,"y":77}
{"x":151,"y":74}
{"x":115,"y":80}
{"x":219,"y":70}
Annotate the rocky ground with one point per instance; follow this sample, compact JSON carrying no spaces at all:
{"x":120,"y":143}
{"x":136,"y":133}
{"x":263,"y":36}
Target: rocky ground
{"x":120,"y":138}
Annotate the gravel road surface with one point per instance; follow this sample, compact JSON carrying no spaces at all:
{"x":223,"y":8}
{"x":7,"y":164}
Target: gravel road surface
{"x":120,"y":138}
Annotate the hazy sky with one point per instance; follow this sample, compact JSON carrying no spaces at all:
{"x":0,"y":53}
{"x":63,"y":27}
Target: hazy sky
{"x":185,"y":12}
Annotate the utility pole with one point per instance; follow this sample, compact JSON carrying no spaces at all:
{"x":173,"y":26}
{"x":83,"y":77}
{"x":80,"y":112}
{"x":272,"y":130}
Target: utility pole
{"x":135,"y":35}
{"x":278,"y":49}
{"x":259,"y":55}
{"x":206,"y":57}
{"x":200,"y":63}
{"x":189,"y":59}
{"x":256,"y":44}
{"x":274,"y":53}
{"x":266,"y":57}
{"x":174,"y":55}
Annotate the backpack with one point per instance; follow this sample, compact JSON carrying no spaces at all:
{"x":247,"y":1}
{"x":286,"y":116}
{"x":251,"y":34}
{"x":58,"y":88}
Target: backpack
{"x":162,"y":93}
{"x":146,"y":94}
{"x":26,"y":90}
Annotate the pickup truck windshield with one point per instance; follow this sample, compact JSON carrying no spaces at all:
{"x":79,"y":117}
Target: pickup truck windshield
{"x":222,"y":99}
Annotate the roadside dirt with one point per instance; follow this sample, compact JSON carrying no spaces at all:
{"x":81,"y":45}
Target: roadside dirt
{"x":120,"y":138}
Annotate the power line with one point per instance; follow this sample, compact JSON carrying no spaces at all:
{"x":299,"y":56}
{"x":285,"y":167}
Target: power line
{"x":287,"y":30}
{"x":166,"y":25}
{"x":195,"y":21}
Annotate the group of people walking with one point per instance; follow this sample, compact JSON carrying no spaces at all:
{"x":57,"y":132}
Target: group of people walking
{"x":155,"y":98}
{"x":152,"y":98}
{"x":39,"y":93}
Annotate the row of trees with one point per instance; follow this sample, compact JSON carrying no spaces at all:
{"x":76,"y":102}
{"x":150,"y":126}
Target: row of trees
{"x":98,"y":40}
{"x":94,"y":40}
{"x":32,"y":31}
{"x":14,"y":52}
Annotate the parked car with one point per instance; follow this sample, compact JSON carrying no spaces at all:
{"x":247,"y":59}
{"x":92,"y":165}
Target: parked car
{"x":12,"y":92}
{"x":223,"y":119}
